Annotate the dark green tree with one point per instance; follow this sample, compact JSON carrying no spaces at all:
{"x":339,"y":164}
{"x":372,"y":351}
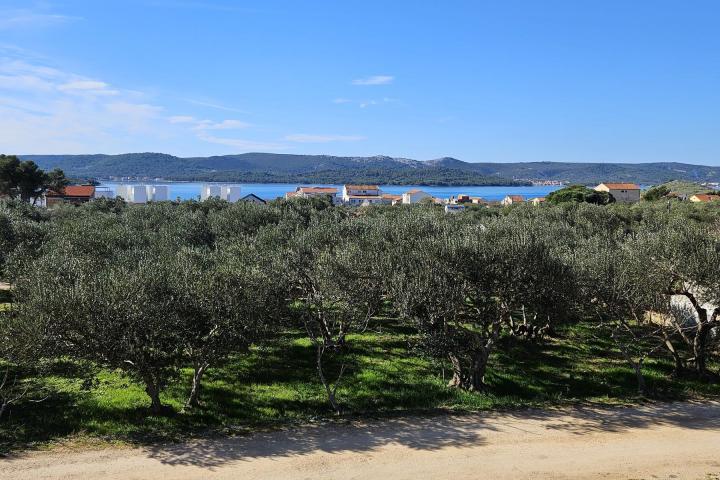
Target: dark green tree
{"x":579,"y":194}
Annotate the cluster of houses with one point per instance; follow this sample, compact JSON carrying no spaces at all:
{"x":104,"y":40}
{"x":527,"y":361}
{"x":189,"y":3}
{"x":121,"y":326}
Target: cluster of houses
{"x":353,"y":195}
{"x":77,"y":194}
{"x":360,"y":195}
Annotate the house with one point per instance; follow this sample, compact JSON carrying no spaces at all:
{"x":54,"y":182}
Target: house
{"x":252,"y":198}
{"x":362,"y":195}
{"x":463,"y":198}
{"x":414,"y":196}
{"x":704,"y":197}
{"x":454,"y":208}
{"x":478,"y":201}
{"x":512,"y":200}
{"x":621,"y":192}
{"x":313,"y":192}
{"x":537,"y":201}
{"x":74,"y":194}
{"x":392,"y":199}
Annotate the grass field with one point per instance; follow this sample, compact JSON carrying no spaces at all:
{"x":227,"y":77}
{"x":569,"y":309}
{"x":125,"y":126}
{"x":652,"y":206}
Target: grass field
{"x":277,"y":385}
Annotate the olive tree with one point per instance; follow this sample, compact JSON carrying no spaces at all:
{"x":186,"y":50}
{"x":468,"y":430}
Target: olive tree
{"x":226,"y":300}
{"x":683,"y":265}
{"x":617,"y":296}
{"x":336,"y":287}
{"x":463,"y":284}
{"x":123,"y":315}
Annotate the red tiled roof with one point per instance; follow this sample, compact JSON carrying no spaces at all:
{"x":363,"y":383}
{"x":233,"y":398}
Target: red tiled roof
{"x":517,"y":198}
{"x":74,"y":191}
{"x":621,"y":186}
{"x":704,"y":197}
{"x":362,"y":187}
{"x":327,"y":190}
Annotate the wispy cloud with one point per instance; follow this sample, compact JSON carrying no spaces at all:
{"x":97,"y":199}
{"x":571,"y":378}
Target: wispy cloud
{"x":374,"y":80}
{"x":307,"y":138}
{"x":25,"y":18}
{"x":87,"y":87}
{"x":216,"y":106}
{"x":242,"y":144}
{"x":369,"y":103}
{"x":72,"y":113}
{"x":364,"y":103}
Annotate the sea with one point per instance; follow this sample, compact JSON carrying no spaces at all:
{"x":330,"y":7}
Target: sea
{"x":271,"y":191}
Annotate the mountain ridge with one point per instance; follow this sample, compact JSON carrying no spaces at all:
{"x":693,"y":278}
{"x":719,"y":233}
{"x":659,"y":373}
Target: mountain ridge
{"x":278,"y":167}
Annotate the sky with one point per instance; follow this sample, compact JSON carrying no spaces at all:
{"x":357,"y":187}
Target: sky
{"x":494,"y":81}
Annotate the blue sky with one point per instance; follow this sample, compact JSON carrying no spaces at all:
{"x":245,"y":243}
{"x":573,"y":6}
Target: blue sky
{"x":606,"y":81}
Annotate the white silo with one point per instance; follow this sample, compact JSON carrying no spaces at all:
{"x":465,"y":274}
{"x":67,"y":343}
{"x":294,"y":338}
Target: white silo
{"x":157,"y":193}
{"x":161,"y":193}
{"x":121,"y":191}
{"x":138,"y":194}
{"x":231,"y":193}
{"x":209,"y":191}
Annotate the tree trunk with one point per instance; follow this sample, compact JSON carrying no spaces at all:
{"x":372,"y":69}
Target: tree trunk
{"x":642,"y":386}
{"x":153,"y":390}
{"x":194,"y":397}
{"x":699,"y":349}
{"x":679,"y":365}
{"x":635,"y":365}
{"x":330,"y":391}
{"x":469,"y":374}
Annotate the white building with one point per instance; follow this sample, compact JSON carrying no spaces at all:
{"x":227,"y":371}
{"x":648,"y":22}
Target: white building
{"x":314,"y":192}
{"x":133,"y":193}
{"x":362,"y":195}
{"x":391,"y":199}
{"x":141,"y":193}
{"x":621,"y":192}
{"x":414,"y":196}
{"x":512,"y":199}
{"x":230,"y":193}
{"x":156,"y":193}
{"x":210,"y":191}
{"x":454,"y":208}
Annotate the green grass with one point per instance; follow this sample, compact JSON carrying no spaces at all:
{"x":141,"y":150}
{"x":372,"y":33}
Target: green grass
{"x":277,"y":385}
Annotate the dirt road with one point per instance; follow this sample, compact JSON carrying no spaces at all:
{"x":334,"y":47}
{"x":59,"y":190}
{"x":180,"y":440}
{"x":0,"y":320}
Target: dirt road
{"x":679,"y":441}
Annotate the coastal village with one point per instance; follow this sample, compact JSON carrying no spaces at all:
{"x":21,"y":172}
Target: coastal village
{"x":349,"y":195}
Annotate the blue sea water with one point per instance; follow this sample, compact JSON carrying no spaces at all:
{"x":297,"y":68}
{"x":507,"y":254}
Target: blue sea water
{"x":270,"y":191}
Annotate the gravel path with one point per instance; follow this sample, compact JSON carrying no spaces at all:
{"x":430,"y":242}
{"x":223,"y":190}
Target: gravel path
{"x":658,"y":441}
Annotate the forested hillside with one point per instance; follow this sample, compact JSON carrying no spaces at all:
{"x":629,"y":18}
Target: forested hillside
{"x":270,"y":167}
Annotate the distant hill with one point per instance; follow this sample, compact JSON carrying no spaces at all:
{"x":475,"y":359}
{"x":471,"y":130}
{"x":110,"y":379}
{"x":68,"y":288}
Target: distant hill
{"x":686,"y":188}
{"x":272,"y":167}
